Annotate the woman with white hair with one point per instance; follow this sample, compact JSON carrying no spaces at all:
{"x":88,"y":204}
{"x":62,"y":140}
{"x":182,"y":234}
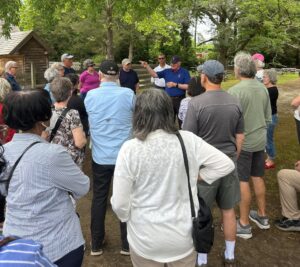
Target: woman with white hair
{"x":70,"y":132}
{"x":56,"y":70}
{"x":10,"y":75}
{"x":270,"y":80}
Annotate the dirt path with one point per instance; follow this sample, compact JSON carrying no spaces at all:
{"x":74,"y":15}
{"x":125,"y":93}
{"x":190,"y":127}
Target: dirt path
{"x":267,"y":248}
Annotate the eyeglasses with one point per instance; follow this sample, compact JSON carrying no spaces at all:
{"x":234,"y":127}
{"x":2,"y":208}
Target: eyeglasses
{"x":160,"y":58}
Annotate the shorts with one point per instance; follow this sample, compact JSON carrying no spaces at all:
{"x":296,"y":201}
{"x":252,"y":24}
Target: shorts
{"x":225,"y":191}
{"x":250,"y":164}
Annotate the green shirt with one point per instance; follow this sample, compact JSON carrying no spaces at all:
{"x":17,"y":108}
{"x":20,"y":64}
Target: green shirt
{"x":255,"y":103}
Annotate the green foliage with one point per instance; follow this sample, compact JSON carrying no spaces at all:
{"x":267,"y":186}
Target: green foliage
{"x":144,"y":28}
{"x":249,"y":25}
{"x":9,"y":15}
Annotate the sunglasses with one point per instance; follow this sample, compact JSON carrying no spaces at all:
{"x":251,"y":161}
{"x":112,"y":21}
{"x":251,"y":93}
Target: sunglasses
{"x":161,"y":58}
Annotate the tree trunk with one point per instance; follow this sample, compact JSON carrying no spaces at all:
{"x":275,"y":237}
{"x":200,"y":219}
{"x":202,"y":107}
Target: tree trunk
{"x":130,"y":50}
{"x":109,"y":34}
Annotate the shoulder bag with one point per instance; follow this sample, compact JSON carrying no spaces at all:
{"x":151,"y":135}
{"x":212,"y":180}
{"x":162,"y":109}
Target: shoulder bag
{"x":203,"y":229}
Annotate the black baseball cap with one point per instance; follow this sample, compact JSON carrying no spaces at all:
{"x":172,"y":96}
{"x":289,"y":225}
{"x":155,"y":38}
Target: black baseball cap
{"x":109,"y":67}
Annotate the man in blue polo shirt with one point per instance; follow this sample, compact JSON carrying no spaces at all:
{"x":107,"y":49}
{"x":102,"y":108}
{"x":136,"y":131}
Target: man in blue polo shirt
{"x":110,"y":110}
{"x":177,"y":80}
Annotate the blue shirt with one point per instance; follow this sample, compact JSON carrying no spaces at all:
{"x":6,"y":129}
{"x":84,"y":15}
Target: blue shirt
{"x":47,"y":88}
{"x":12,"y":81}
{"x":24,"y":253}
{"x":38,"y":204}
{"x":109,"y":109}
{"x":181,"y":76}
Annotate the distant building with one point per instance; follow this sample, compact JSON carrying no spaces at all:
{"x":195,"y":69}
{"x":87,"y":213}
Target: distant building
{"x":31,"y":54}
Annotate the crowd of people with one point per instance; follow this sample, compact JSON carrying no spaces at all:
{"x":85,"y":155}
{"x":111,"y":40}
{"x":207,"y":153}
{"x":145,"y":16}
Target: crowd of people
{"x":134,"y":144}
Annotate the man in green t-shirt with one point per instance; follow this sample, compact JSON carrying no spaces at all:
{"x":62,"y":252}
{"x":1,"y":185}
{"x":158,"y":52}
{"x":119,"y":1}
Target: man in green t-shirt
{"x":255,"y":103}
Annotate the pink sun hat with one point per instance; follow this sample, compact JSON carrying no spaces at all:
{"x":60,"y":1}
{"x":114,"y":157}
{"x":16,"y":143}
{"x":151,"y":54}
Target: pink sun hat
{"x":258,"y":56}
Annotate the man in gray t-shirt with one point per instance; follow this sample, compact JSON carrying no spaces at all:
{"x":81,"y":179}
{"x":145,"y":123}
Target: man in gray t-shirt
{"x":216,"y":116}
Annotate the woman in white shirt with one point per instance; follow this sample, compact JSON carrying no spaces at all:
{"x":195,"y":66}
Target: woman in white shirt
{"x":150,"y":189}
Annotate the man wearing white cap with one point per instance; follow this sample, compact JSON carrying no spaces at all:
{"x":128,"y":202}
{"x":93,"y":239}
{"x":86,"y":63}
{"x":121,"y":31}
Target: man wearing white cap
{"x":67,"y":61}
{"x":128,"y":77}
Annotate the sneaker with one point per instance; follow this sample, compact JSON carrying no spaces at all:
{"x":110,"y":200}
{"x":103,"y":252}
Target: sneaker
{"x":96,"y":251}
{"x":125,"y":252}
{"x":261,"y":221}
{"x":243,"y":231}
{"x":286,"y":224}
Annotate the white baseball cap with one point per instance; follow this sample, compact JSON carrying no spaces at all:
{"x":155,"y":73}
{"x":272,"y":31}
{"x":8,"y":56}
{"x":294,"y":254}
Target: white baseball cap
{"x":66,"y":56}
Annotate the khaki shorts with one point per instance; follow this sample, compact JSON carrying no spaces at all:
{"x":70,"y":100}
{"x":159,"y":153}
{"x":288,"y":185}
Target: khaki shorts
{"x":138,"y":261}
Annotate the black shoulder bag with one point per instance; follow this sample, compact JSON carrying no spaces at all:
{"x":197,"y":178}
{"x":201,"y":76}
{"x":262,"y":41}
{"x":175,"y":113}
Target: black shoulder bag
{"x":57,"y":124}
{"x":4,"y":188}
{"x":203,"y":229}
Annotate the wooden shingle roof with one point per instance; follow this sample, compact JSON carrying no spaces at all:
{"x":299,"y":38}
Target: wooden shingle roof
{"x":16,"y":41}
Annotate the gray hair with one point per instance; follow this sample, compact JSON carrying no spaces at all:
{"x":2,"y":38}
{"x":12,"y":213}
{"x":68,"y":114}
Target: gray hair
{"x":5,"y":89}
{"x":272,"y":74}
{"x":50,"y":74}
{"x":153,"y":111}
{"x":61,"y":88}
{"x":9,"y":65}
{"x":112,"y":78}
{"x":244,"y":65}
{"x":57,"y":65}
{"x":53,"y":71}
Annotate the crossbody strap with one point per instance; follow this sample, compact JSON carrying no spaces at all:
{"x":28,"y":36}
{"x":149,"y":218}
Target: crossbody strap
{"x":186,"y":164}
{"x":16,"y":164}
{"x":57,"y":124}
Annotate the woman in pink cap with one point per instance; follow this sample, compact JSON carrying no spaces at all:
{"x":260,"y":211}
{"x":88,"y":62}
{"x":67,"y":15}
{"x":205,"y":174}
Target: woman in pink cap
{"x":259,"y":63}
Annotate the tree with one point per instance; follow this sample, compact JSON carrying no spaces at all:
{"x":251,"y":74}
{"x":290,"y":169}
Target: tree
{"x":239,"y":23}
{"x":9,"y":15}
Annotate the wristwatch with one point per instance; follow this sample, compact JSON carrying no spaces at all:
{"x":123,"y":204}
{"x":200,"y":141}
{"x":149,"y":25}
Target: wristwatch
{"x":177,"y":85}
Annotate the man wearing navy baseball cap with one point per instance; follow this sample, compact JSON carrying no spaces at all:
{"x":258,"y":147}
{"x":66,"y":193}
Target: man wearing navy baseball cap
{"x":177,"y":80}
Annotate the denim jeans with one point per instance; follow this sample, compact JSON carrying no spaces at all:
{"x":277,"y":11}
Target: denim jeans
{"x":102,"y":176}
{"x":270,"y":147}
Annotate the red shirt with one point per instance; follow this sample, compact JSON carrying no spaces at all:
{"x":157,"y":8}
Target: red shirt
{"x":10,"y":132}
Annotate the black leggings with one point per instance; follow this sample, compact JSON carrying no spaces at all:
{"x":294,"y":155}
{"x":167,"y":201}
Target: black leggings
{"x":2,"y":208}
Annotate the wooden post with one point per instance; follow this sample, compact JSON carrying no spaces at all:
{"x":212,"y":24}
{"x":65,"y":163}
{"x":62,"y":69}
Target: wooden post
{"x":32,"y":76}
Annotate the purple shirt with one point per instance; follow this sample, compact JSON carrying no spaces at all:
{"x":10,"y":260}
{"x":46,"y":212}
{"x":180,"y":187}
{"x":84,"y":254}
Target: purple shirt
{"x":89,"y":81}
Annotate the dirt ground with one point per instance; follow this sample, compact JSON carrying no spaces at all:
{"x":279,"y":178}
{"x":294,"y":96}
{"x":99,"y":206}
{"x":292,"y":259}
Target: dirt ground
{"x":267,"y":247}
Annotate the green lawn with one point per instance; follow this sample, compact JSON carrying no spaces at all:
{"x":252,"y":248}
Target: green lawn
{"x":283,"y":78}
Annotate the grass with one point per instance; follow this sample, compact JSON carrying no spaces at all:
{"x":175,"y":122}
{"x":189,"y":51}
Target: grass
{"x":282,"y":78}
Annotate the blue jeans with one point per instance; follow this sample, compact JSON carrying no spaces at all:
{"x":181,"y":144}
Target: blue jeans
{"x":270,"y":147}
